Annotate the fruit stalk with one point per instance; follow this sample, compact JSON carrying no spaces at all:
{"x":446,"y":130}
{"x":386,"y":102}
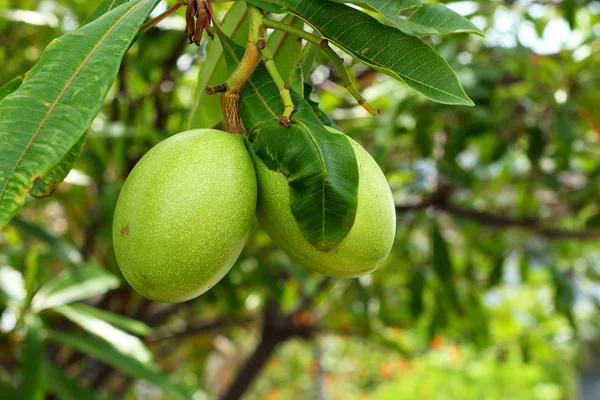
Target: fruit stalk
{"x":284,"y":88}
{"x":236,"y":82}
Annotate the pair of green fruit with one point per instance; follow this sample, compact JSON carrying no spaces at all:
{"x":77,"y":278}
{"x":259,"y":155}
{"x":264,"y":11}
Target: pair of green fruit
{"x":185,"y":211}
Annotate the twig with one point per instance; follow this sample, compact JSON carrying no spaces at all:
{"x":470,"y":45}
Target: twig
{"x":531,"y":224}
{"x":277,"y":328}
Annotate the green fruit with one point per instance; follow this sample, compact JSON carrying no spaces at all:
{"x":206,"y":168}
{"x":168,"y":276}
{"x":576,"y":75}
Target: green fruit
{"x":184,"y":213}
{"x":368,"y":243}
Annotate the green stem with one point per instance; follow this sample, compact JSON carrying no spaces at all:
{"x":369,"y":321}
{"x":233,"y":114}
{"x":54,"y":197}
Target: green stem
{"x":338,"y":62}
{"x":284,"y":88}
{"x":231,"y":97}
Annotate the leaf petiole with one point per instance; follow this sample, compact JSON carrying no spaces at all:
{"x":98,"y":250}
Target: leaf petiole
{"x":284,"y":88}
{"x":338,"y":62}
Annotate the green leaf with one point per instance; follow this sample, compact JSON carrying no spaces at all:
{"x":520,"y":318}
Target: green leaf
{"x":385,"y":48}
{"x":537,"y":144}
{"x":120,"y":321}
{"x":32,"y":387}
{"x":72,"y":285}
{"x":10,"y":87}
{"x":105,"y":352}
{"x":565,"y":134}
{"x":103,"y":8}
{"x":125,"y":343}
{"x":442,"y":265}
{"x":593,"y":221}
{"x":497,"y":273}
{"x":424,"y":18}
{"x":320,"y":165}
{"x":286,"y":48}
{"x":564,"y":294}
{"x":46,"y":185}
{"x":524,"y":268}
{"x":44,"y":118}
{"x":206,"y":111}
{"x":65,"y":387}
{"x":417,"y":285}
{"x":65,"y":250}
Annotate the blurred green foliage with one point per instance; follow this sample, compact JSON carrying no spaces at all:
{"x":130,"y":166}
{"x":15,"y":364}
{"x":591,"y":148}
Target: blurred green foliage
{"x":494,"y":281}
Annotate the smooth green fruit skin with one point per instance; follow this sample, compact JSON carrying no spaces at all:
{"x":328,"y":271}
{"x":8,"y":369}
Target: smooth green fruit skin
{"x":184,"y":213}
{"x":370,"y":239}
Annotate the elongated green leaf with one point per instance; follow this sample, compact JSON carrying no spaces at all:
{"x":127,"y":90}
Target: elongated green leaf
{"x":10,"y":87}
{"x":206,"y":111}
{"x":497,"y":273}
{"x":44,"y":118}
{"x":385,"y":48}
{"x":103,"y":8}
{"x":46,"y":185}
{"x":424,"y":18}
{"x":286,"y":48}
{"x":125,"y":323}
{"x":62,"y":248}
{"x":123,"y":342}
{"x":417,"y":285}
{"x":320,"y":165}
{"x":105,"y":352}
{"x":442,"y":265}
{"x":72,"y":285}
{"x":63,"y":386}
{"x":32,"y":387}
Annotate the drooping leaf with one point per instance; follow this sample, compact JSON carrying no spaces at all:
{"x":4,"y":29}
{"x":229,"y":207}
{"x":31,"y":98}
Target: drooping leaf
{"x":62,"y":248}
{"x":537,"y":144}
{"x":10,"y":87}
{"x":497,"y":273}
{"x":206,"y":111}
{"x":524,"y":268}
{"x":72,"y":285}
{"x":565,"y":135}
{"x":424,"y":18}
{"x":44,"y":118}
{"x":320,"y":165}
{"x":442,"y":265}
{"x":127,"y":324}
{"x":32,"y":387}
{"x":63,"y":386}
{"x":46,"y":185}
{"x":105,"y":352}
{"x":123,"y":342}
{"x":385,"y":48}
{"x":417,"y":285}
{"x":564,"y":293}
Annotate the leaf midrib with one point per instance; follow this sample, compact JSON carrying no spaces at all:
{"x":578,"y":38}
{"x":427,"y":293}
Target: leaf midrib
{"x":323,"y":180}
{"x":55,"y":103}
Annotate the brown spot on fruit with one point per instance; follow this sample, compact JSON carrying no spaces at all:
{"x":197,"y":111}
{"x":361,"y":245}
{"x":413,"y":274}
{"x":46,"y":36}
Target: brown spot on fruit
{"x":125,"y":231}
